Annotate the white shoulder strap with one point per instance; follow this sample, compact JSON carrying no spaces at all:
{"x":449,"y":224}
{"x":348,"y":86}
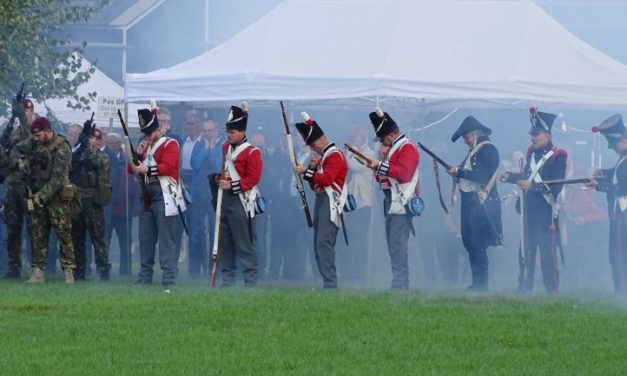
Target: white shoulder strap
{"x":535,"y":167}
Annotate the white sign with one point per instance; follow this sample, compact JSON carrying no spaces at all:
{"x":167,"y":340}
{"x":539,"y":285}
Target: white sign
{"x":108,"y":107}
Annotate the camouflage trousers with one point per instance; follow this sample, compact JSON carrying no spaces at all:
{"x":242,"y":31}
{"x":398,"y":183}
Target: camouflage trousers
{"x":15,"y":211}
{"x":54,"y":214}
{"x":92,"y":220}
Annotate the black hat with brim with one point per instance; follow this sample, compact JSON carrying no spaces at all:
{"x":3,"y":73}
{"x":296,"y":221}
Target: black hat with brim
{"x":613,"y":129}
{"x":468,"y":125}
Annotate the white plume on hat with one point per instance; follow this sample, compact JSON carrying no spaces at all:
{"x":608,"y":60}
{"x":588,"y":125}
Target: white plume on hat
{"x":563,"y":125}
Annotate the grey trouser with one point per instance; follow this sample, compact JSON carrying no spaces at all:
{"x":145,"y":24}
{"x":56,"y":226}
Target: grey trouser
{"x":325,"y":233}
{"x":239,"y":237}
{"x":397,"y":236}
{"x":153,"y":226}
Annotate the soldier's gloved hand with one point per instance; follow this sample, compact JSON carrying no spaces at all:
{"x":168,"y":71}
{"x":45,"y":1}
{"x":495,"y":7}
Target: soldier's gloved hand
{"x":38,"y":201}
{"x":87,"y":126}
{"x":140,"y":169}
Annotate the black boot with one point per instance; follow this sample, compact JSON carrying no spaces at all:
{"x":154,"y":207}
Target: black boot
{"x":13,"y":274}
{"x":479,"y":268}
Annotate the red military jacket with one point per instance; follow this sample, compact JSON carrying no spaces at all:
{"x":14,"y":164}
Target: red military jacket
{"x":401,"y":166}
{"x":332,"y":170}
{"x":248,"y":164}
{"x":167,"y":158}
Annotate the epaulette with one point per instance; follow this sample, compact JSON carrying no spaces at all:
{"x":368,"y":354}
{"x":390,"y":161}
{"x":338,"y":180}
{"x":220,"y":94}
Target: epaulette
{"x":168,"y":140}
{"x":253,"y":148}
{"x":558,"y":152}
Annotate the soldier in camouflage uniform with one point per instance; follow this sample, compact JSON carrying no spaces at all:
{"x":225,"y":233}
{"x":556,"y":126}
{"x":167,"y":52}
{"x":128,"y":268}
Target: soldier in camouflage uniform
{"x":47,"y":158}
{"x":15,"y":203}
{"x":90,"y":172}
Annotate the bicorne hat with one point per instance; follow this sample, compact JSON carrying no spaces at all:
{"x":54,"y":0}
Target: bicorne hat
{"x":470,"y":124}
{"x":612,"y":129}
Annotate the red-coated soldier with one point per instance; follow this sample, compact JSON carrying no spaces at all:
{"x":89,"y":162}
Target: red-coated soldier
{"x":326,"y":175}
{"x":243,"y":167}
{"x":397,"y":175}
{"x":159,"y":169}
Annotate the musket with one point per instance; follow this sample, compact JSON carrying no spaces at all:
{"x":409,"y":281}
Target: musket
{"x":18,"y":97}
{"x":433,"y":155}
{"x":91,"y":127}
{"x":216,"y":251}
{"x":361,"y":158}
{"x":299,"y":180}
{"x":575,"y":180}
{"x":181,"y":215}
{"x":436,"y":160}
{"x":523,"y":251}
{"x":135,"y":159}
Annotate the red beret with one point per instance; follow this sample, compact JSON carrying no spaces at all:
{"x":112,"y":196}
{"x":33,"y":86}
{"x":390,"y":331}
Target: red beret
{"x":40,"y":124}
{"x":97,"y":133}
{"x":27,"y":103}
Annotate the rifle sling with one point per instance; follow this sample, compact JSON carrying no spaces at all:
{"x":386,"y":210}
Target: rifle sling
{"x":436,"y":172}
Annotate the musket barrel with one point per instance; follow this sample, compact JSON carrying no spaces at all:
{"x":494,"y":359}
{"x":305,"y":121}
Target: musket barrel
{"x":574,"y":180}
{"x":299,"y":181}
{"x":359,"y":154}
{"x":433,"y":155}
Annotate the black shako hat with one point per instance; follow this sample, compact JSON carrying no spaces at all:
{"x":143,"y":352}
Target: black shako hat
{"x":238,"y":118}
{"x":540,"y":121}
{"x":382,"y":122}
{"x":310,"y":131}
{"x":470,"y":124}
{"x":148,"y":121}
{"x":613,"y":129}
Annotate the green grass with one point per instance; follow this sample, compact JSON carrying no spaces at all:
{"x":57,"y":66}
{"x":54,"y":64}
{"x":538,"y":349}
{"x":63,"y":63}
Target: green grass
{"x":116,"y":329}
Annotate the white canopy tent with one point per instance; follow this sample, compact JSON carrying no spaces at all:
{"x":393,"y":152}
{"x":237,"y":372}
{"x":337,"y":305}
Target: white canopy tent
{"x":442,"y":52}
{"x":100,"y":83}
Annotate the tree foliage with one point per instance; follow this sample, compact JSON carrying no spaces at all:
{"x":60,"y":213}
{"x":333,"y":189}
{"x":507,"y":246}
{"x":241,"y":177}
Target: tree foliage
{"x":34,"y":50}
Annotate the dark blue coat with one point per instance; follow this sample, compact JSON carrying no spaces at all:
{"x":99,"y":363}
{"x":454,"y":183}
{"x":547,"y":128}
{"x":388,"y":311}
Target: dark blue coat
{"x":614,"y":190}
{"x":618,"y":223}
{"x":481,"y":223}
{"x":539,"y":212}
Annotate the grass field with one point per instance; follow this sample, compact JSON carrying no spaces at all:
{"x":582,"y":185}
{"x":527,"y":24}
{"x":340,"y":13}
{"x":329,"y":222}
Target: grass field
{"x":116,"y":329}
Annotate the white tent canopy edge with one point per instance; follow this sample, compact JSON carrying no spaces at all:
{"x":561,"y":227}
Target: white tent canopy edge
{"x":447,"y":53}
